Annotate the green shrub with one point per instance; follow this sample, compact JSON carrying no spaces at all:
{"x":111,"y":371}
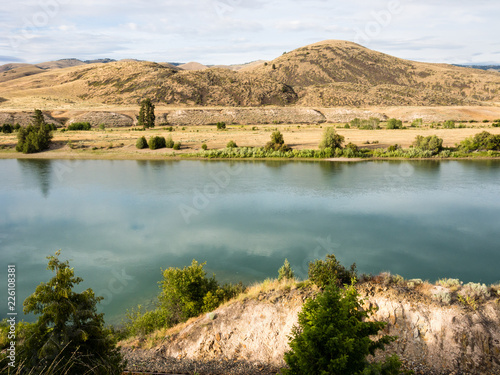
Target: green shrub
{"x":417,"y":122}
{"x":431,"y":143}
{"x":140,"y":323}
{"x":449,"y":283}
{"x":169,"y":142}
{"x":482,"y":141}
{"x":156,"y":142}
{"x":331,"y":139}
{"x":7,"y":128}
{"x":277,"y":138}
{"x":286,"y":272}
{"x":79,"y":126}
{"x":221,"y":125}
{"x":102,"y":126}
{"x":334,"y":337}
{"x":36,"y":137}
{"x":177,"y":146}
{"x":141,"y":143}
{"x":394,"y":124}
{"x":450,"y":124}
{"x":204,"y":146}
{"x":330,"y":271}
{"x":69,"y":334}
{"x":231,"y":144}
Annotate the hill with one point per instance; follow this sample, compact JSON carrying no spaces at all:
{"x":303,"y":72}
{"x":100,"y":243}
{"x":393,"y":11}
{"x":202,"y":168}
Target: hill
{"x":325,"y":74}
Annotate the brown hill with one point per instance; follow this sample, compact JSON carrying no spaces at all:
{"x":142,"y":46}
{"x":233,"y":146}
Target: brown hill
{"x":193,"y":66}
{"x":325,"y":74}
{"x":332,"y":73}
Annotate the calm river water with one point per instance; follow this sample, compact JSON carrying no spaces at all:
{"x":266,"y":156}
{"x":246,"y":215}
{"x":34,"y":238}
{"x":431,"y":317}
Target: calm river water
{"x":121,"y":222}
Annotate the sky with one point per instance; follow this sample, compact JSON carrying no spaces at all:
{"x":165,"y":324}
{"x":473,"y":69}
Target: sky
{"x":240,"y":31}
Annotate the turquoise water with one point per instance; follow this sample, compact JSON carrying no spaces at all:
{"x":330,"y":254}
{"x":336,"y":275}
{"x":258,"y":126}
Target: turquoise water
{"x":121,"y":222}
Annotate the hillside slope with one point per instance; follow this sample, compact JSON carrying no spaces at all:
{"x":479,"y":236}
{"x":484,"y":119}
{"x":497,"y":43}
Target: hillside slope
{"x":250,"y":335}
{"x":325,"y":74}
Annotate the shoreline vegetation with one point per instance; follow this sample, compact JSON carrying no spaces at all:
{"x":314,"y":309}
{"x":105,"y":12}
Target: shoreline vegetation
{"x":188,"y":296}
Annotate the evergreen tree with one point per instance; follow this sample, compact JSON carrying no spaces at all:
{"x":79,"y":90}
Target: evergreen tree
{"x":35,"y":137}
{"x":286,"y":272}
{"x":146,"y":116}
{"x":333,"y":337}
{"x":69,"y":335}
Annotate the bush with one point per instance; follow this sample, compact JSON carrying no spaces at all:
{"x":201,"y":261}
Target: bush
{"x":177,"y":146}
{"x":333,"y":337}
{"x":286,"y":272}
{"x":187,"y":292}
{"x":102,"y":126}
{"x":7,"y":128}
{"x":331,"y":139}
{"x":141,"y":143}
{"x":450,"y":124}
{"x":231,"y":144}
{"x":79,"y":126}
{"x":417,"y":122}
{"x":204,"y":146}
{"x":330,"y":271}
{"x":430,"y":143}
{"x":169,"y":143}
{"x":36,"y":137}
{"x":221,"y":125}
{"x":277,"y":138}
{"x":69,"y":335}
{"x":481,"y":141}
{"x":156,"y":142}
{"x":394,"y":124}
{"x":141,"y":323}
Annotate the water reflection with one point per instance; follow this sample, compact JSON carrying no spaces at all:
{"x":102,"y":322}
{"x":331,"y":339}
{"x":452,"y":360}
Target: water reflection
{"x":37,"y":173}
{"x":435,"y":219}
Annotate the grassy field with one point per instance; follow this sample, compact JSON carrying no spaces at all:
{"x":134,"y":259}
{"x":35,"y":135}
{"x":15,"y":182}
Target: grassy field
{"x":119,"y":143}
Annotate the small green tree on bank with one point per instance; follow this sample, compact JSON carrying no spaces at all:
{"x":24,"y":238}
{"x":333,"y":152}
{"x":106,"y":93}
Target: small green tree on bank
{"x":286,"y":272}
{"x":431,"y":143}
{"x":69,"y":334}
{"x":35,"y":137}
{"x":277,"y":143}
{"x":331,"y":139}
{"x":333,"y":337}
{"x":146,"y":117}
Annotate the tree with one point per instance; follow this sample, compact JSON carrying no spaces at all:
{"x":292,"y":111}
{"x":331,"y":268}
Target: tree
{"x":69,"y":334}
{"x":333,"y":337}
{"x":286,"y":272}
{"x":35,"y":137}
{"x":431,"y":143}
{"x":394,"y":124}
{"x":146,"y":116}
{"x":331,"y":139}
{"x":328,"y":271}
{"x":277,"y":143}
{"x":141,"y":143}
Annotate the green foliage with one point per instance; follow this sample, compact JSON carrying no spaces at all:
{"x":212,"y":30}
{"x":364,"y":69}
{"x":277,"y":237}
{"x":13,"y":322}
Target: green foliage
{"x":102,"y":126}
{"x":331,"y":139}
{"x":68,"y":328}
{"x":370,"y":124}
{"x":431,"y":143}
{"x":157,"y":142}
{"x":330,"y":271}
{"x":169,"y":142}
{"x":394,"y":124}
{"x":333,"y":337}
{"x":449,"y":124}
{"x":277,"y":143}
{"x":141,"y":143}
{"x":36,"y":137}
{"x":204,"y":146}
{"x":221,"y":125}
{"x":231,"y":144}
{"x":286,"y":272}
{"x":7,"y":128}
{"x":177,"y":146}
{"x":417,"y":122}
{"x":79,"y":126}
{"x":146,"y":117}
{"x":187,"y":292}
{"x":140,"y":322}
{"x":481,"y":141}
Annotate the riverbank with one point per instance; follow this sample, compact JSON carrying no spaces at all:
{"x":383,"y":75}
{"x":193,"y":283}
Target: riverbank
{"x":249,"y":335}
{"x":119,"y":143}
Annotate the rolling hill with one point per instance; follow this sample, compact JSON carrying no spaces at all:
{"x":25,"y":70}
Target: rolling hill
{"x":325,"y":74}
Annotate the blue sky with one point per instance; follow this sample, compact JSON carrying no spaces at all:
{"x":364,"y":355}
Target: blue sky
{"x":239,"y":31}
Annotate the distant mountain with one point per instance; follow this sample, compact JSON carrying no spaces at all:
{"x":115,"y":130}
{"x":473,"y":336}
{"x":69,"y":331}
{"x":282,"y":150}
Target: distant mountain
{"x":326,"y":74}
{"x":482,"y":67}
{"x":14,"y":71}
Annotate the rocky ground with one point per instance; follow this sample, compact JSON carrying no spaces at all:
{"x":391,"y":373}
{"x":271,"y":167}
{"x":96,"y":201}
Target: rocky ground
{"x":250,"y":335}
